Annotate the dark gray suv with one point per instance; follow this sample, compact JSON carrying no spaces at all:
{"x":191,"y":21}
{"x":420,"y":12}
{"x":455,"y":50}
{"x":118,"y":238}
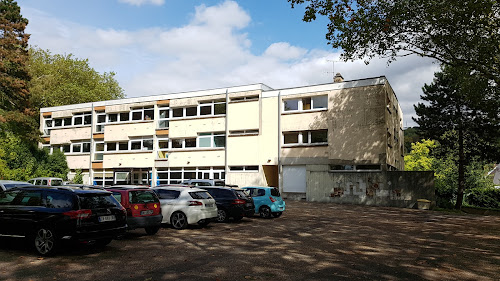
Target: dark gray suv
{"x":47,"y":216}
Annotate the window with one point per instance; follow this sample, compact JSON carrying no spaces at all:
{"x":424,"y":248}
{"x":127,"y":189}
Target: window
{"x":77,"y":147}
{"x":67,"y":121}
{"x":244,"y":132}
{"x":306,"y":103}
{"x":99,"y":146}
{"x":58,"y":122}
{"x":246,"y":98}
{"x":66,"y":148}
{"x":86,"y":147}
{"x":178,"y":175}
{"x":205,"y":108}
{"x":363,"y":167}
{"x":211,"y":140}
{"x":305,"y":137}
{"x":112,"y":117}
{"x":111,"y":146}
{"x":136,"y":144}
{"x":122,"y":146}
{"x":191,"y":111}
{"x":190,"y":142}
{"x":244,"y":168}
{"x":163,"y":122}
{"x":124,"y":116}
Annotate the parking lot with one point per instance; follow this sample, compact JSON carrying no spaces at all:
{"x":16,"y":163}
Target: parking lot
{"x":311,"y":241}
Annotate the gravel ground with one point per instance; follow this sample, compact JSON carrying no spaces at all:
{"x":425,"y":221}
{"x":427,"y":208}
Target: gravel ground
{"x":311,"y":241}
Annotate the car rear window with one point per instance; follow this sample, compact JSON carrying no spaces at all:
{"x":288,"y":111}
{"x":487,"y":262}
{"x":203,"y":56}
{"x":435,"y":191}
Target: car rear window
{"x":58,"y":200}
{"x":220,"y":193}
{"x":275,"y":192}
{"x":56,"y":182}
{"x":97,"y":201}
{"x":241,"y":194}
{"x":200,"y":195}
{"x":142,"y":196}
{"x":167,"y":194}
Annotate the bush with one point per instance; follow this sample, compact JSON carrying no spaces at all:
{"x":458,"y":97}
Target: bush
{"x":484,"y":197}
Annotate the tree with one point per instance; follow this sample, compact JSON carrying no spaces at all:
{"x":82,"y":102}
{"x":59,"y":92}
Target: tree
{"x":454,"y":32}
{"x":419,"y":158}
{"x":63,"y":79}
{"x":462,"y":112}
{"x":13,"y":57}
{"x":411,"y":135}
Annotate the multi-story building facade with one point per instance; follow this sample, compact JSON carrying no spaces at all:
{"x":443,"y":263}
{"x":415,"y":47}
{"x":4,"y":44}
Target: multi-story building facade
{"x":247,"y":135}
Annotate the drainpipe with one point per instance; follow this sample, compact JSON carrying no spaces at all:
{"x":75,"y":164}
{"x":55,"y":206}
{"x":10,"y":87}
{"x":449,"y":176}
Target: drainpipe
{"x":226,"y":167}
{"x":92,"y":124}
{"x":280,"y":178}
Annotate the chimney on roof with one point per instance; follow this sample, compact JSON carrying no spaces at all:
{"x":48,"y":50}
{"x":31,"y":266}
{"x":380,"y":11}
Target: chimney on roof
{"x":338,"y":78}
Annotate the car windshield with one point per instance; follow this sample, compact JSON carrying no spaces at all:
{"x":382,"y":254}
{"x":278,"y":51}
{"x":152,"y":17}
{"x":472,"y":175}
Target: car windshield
{"x":200,"y":195}
{"x":97,"y":201}
{"x":142,"y":196}
{"x":275,"y":192}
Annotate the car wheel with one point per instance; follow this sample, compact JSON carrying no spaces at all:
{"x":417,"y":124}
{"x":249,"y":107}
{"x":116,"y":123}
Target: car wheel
{"x":103,"y":242}
{"x":277,"y":214}
{"x":152,"y":230}
{"x":265,"y":212}
{"x":222,"y":215}
{"x":179,"y":220}
{"x":45,"y":241}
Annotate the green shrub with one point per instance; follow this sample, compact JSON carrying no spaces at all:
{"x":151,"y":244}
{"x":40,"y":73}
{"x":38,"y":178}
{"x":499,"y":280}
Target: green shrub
{"x":484,"y":197}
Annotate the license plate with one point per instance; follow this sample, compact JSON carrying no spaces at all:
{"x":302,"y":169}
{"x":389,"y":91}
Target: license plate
{"x":148,"y":212}
{"x":107,"y":218}
{"x":209,"y":205}
{"x":249,"y":204}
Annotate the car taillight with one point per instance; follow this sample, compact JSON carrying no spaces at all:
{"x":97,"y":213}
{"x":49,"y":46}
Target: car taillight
{"x":79,"y":214}
{"x":195,"y":203}
{"x":238,"y":202}
{"x":272,"y":199}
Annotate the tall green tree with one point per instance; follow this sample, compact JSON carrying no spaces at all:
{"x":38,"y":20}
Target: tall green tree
{"x":454,"y":32}
{"x":462,"y":111}
{"x":16,"y":114}
{"x":63,"y":79}
{"x":14,"y":74}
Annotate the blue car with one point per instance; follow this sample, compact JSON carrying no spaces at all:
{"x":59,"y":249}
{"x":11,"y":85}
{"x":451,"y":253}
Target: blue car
{"x":267,"y":200}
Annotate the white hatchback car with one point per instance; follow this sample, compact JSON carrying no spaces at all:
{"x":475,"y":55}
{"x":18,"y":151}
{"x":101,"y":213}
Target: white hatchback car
{"x":181,"y":206}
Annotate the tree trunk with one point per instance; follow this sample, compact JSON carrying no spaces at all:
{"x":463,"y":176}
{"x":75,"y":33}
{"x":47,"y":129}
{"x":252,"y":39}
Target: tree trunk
{"x":461,"y":169}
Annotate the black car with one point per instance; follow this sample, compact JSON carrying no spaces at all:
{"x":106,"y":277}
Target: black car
{"x":47,"y":216}
{"x":231,"y":203}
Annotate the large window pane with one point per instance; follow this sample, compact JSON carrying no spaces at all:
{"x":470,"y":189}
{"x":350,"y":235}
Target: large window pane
{"x":319,"y":136}
{"x":124,"y":116}
{"x":163,"y":144}
{"x":163,"y":124}
{"x":164,"y":113}
{"x":87,"y":120}
{"x":190,"y":143}
{"x":291,"y":137}
{"x":149,"y":114}
{"x":191,"y":111}
{"x":320,"y":102}
{"x":99,"y":147}
{"x":205,"y":141}
{"x":57,"y":122}
{"x":77,"y":147}
{"x":291,"y":105}
{"x":206,"y":110}
{"x":177,"y":143}
{"x":101,"y":118}
{"x":178,"y":112}
{"x":123,"y":146}
{"x":78,"y":120}
{"x":86,"y":147}
{"x":220,"y":108}
{"x":112,"y":117}
{"x":137,"y":115}
{"x":148,"y":144}
{"x":67,"y":121}
{"x":220,"y":141}
{"x":111,"y":146}
{"x":135,"y":145}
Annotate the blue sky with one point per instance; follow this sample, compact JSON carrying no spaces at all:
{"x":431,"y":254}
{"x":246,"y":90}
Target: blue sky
{"x":165,"y":46}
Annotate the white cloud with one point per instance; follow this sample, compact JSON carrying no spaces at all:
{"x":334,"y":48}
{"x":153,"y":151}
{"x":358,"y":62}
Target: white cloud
{"x":213,"y":50}
{"x":143,"y":2}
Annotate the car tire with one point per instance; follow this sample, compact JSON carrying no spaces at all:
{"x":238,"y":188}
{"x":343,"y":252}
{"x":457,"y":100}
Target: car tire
{"x":103,"y":242}
{"x":277,"y":214}
{"x":265,"y":212}
{"x":222,"y":215}
{"x":178,"y":220}
{"x":44,"y":240}
{"x":152,"y":230}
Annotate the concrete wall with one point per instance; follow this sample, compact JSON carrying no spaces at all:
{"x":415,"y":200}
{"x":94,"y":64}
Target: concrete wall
{"x":385,"y":188}
{"x":191,"y":127}
{"x":67,"y":135}
{"x":120,"y":132}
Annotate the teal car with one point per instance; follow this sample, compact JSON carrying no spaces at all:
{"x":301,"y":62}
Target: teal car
{"x":267,"y":200}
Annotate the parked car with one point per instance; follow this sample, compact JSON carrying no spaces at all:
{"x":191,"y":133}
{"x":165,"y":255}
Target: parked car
{"x":7,"y":184}
{"x":182,"y":206}
{"x":231,"y":203}
{"x":142,"y":205}
{"x":204,"y":182}
{"x":46,"y":181}
{"x":267,"y":201}
{"x":47,"y":216}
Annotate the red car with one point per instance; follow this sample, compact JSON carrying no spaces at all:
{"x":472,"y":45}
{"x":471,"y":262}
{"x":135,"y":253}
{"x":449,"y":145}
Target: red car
{"x":142,"y":205}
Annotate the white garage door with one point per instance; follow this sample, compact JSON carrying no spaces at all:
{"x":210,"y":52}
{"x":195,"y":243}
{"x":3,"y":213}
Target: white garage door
{"x":294,"y":179}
